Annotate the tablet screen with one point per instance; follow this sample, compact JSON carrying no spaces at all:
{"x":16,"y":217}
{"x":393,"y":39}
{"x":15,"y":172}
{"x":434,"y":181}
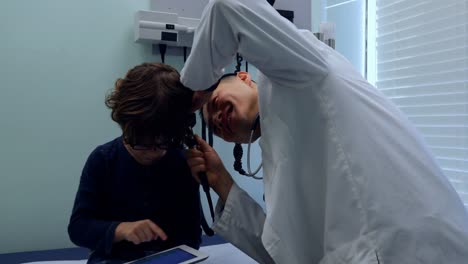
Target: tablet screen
{"x":176,"y":255}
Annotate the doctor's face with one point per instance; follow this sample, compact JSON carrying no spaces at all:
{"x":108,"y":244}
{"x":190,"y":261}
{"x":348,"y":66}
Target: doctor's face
{"x":232,"y":108}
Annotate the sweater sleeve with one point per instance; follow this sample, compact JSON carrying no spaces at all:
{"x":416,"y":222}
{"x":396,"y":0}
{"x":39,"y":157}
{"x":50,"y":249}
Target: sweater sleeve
{"x":86,"y":228}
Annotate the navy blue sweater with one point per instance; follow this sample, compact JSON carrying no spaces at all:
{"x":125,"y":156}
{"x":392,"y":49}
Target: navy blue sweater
{"x":114,"y":188}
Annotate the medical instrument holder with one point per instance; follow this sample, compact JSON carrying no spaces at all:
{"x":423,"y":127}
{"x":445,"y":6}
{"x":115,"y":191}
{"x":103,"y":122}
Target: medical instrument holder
{"x":327,"y":34}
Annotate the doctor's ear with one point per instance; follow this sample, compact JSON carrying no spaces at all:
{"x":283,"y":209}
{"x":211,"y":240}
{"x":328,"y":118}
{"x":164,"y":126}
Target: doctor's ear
{"x":245,"y":77}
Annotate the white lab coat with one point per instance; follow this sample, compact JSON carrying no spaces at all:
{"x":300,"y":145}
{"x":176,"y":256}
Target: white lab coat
{"x":347,"y":178}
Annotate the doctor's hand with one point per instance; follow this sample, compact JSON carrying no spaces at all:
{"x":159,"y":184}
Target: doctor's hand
{"x":205,"y":159}
{"x":138,"y":232}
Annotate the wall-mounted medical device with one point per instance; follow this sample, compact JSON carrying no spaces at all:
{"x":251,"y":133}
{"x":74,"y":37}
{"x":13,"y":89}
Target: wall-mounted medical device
{"x":164,"y":28}
{"x":172,"y":22}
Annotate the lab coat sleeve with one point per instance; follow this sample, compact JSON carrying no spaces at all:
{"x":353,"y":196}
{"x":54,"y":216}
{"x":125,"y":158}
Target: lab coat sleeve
{"x":262,"y":36}
{"x":240,"y":221}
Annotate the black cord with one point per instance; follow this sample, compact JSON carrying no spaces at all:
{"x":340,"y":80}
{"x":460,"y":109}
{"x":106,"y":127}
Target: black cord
{"x":162,"y":51}
{"x":206,"y":228}
{"x":191,"y":143}
{"x":203,"y":126}
{"x":210,"y":137}
{"x":238,"y":153}
{"x":206,"y":189}
{"x":202,"y":175}
{"x":239,"y":60}
{"x":206,"y":186}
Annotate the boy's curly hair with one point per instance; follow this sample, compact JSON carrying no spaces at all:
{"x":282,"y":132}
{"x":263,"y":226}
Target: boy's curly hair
{"x":150,"y":103}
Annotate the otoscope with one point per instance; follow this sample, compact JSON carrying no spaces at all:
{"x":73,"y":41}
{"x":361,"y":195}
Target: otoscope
{"x":191,"y":142}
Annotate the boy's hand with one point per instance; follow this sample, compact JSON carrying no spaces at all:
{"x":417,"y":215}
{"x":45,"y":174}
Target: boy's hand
{"x":138,"y":232}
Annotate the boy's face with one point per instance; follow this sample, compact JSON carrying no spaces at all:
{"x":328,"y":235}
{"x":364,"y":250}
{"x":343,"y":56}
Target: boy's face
{"x":232,"y":108}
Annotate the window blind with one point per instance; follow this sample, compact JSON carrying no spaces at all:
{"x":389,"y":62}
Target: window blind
{"x":422,"y":65}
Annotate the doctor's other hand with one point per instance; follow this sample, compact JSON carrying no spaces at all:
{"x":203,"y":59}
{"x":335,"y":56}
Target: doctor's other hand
{"x":199,"y":99}
{"x":138,"y":232}
{"x":205,"y":159}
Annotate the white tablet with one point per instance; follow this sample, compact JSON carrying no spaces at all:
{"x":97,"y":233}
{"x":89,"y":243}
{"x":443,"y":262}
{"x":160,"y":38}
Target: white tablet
{"x":182,"y":254}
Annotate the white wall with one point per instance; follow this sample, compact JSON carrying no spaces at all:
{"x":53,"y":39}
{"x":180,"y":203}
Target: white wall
{"x":58,"y":58}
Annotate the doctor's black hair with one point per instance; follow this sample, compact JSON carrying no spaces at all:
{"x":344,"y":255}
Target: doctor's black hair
{"x":150,"y":102}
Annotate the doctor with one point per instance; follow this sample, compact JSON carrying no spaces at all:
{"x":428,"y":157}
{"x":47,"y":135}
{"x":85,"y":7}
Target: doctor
{"x":347,"y":178}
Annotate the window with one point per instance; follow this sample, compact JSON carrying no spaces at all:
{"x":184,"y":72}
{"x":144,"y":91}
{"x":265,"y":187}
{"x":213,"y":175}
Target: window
{"x":421,"y":63}
{"x":350,"y":29}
